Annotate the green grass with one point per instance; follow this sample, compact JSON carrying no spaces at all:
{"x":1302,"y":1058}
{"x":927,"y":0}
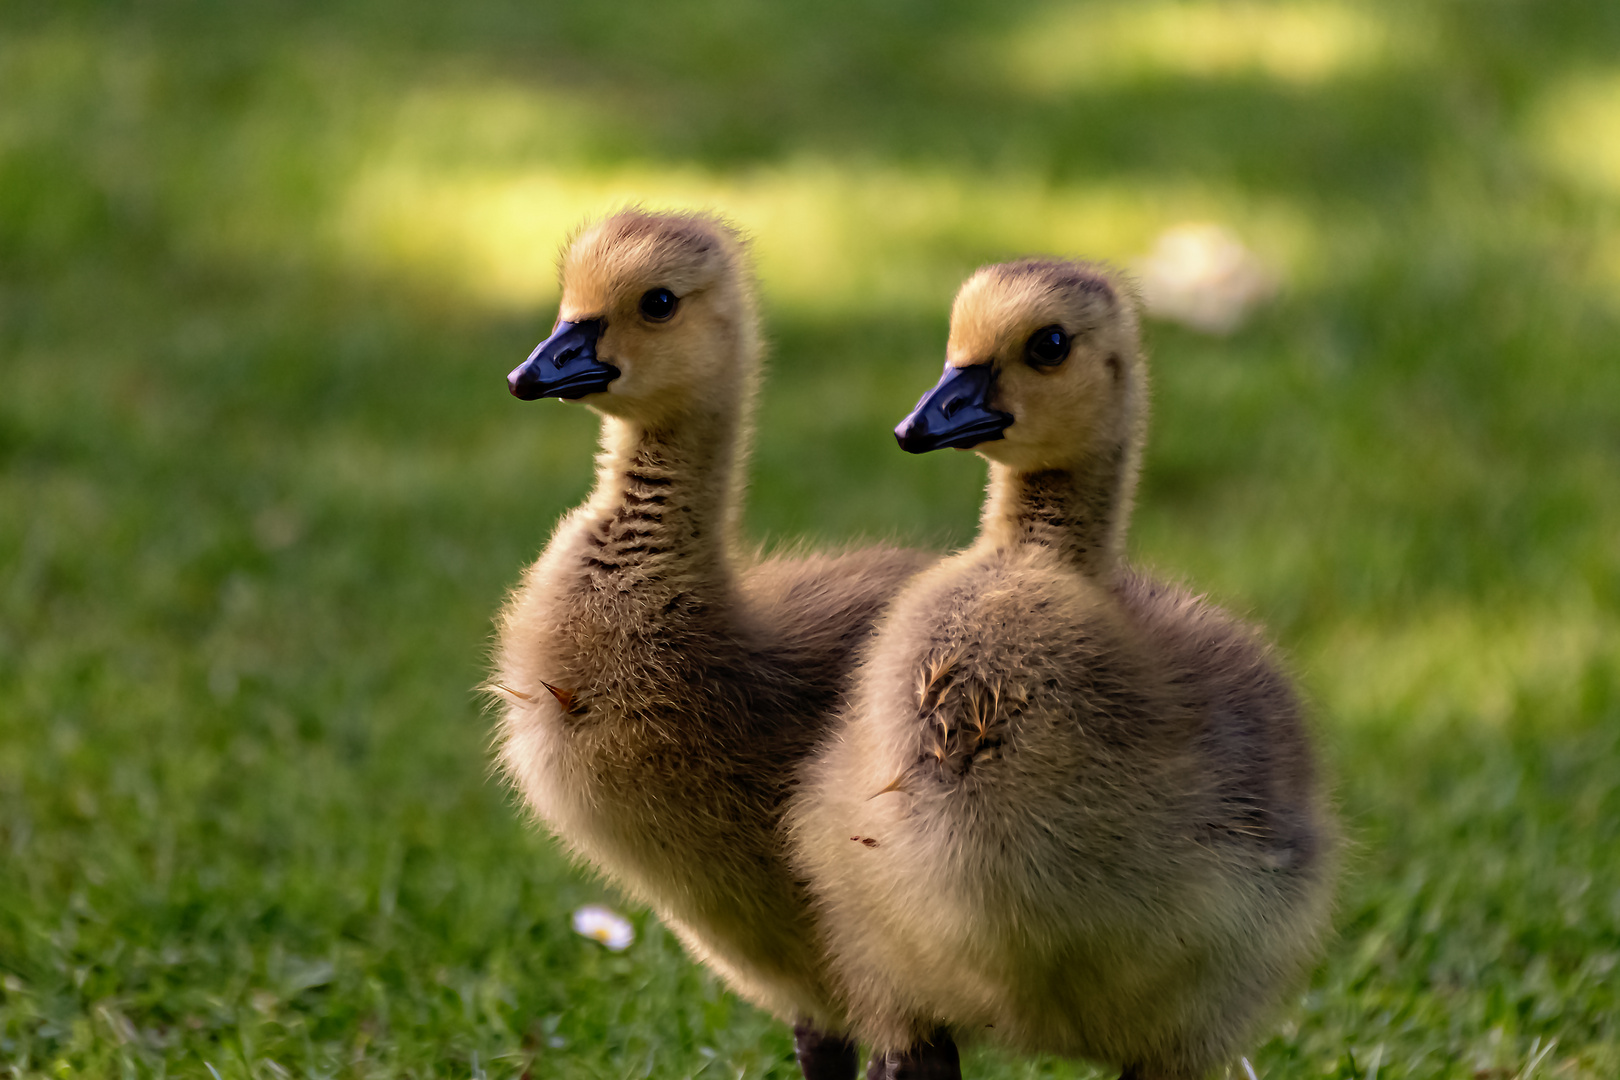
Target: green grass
{"x":262,"y":269}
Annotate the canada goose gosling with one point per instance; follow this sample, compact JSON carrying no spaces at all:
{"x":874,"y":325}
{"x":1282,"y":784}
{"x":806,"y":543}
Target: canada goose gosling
{"x":659,"y":684}
{"x":1085,"y":806}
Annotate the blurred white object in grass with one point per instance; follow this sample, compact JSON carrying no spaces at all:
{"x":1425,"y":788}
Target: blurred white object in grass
{"x":608,"y":927}
{"x":1201,"y":275}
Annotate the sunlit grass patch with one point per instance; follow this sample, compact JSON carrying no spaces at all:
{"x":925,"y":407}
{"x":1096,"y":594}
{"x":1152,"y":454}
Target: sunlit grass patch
{"x":1574,"y":132}
{"x":1073,"y":46}
{"x":1575,"y":127}
{"x":829,"y":238}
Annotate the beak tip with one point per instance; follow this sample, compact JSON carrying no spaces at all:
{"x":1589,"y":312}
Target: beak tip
{"x":514,"y":383}
{"x":906,"y":433}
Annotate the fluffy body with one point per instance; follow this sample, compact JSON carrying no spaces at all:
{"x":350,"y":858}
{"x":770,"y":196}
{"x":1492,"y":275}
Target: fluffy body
{"x":1067,"y":808}
{"x":694,"y":677}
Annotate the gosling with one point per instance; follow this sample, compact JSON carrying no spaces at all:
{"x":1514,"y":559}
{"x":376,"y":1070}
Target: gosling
{"x":659,"y":684}
{"x":1069,"y":809}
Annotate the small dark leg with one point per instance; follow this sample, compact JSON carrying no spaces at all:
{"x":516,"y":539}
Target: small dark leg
{"x":823,"y":1056}
{"x":1149,"y":1072}
{"x":933,"y":1058}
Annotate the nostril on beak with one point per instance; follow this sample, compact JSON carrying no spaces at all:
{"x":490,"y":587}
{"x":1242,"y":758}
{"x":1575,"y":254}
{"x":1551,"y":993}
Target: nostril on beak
{"x":563,"y":357}
{"x":949,"y":409}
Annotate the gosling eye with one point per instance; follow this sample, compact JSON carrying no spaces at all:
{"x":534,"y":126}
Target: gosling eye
{"x":1047,"y":347}
{"x":657,"y":305}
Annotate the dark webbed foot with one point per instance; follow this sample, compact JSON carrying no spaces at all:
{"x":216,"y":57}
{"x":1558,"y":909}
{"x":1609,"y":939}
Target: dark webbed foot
{"x":934,"y":1058}
{"x":823,"y":1056}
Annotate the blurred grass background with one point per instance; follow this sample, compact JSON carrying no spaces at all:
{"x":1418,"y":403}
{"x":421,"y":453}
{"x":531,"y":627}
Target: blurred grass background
{"x":263,"y":267}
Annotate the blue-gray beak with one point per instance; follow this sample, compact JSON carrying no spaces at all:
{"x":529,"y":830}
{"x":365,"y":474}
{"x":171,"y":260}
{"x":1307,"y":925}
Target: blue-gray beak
{"x":564,"y":365}
{"x":955,"y":413}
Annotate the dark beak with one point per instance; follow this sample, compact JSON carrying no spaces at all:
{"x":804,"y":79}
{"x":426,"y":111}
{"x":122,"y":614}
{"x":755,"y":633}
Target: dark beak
{"x":956,"y":412}
{"x":564,"y":365}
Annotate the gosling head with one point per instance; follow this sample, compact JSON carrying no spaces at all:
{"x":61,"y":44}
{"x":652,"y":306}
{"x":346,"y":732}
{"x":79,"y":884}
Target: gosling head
{"x":1043,"y":368}
{"x":656,"y":319}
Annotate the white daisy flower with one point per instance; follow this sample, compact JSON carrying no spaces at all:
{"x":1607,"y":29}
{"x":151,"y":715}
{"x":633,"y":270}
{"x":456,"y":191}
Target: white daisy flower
{"x":608,"y":927}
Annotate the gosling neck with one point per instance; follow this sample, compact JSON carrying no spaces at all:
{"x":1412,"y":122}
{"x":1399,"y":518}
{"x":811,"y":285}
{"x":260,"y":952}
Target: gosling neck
{"x":667,"y":502}
{"x":1080,"y":511}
